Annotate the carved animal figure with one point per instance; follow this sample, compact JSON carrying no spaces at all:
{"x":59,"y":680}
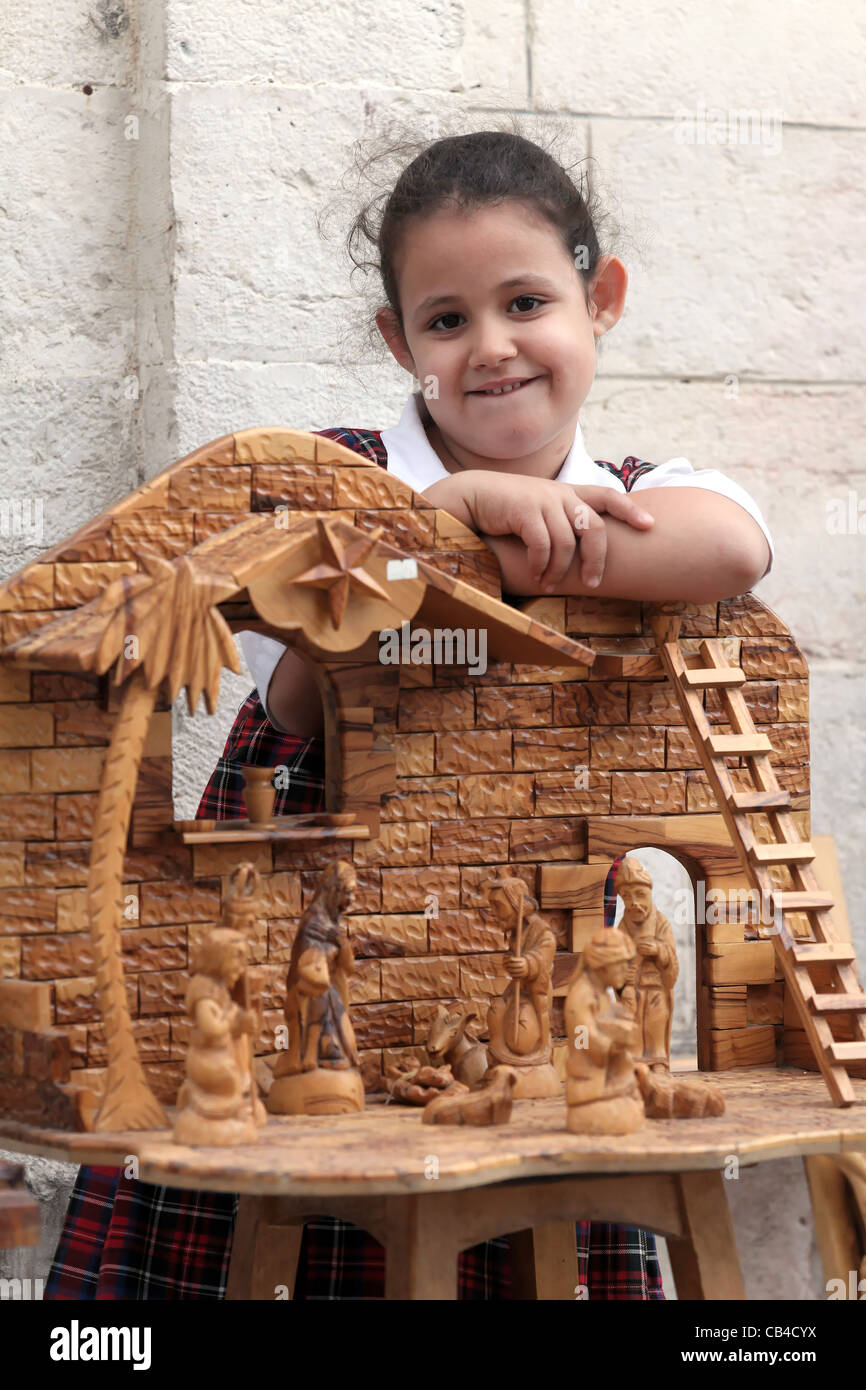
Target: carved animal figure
{"x":677,"y":1097}
{"x":489,"y":1105}
{"x":447,"y":1043}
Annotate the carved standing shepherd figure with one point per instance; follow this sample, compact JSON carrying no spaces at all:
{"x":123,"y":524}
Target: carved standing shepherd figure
{"x":601,"y":1090}
{"x":518,"y":1022}
{"x":218,"y":1101}
{"x":318,"y":1073}
{"x":649,"y":987}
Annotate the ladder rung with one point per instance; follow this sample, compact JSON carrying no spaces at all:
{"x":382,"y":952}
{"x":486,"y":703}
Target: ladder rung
{"x":800,"y":902}
{"x":744,"y":744}
{"x":812,"y":952}
{"x":782,"y":853}
{"x":847,"y":1051}
{"x":705,"y":677}
{"x":759,"y":801}
{"x":838,"y":1003}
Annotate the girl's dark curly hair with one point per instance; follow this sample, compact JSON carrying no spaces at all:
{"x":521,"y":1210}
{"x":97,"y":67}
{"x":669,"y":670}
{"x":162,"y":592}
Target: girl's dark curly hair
{"x":464,"y":172}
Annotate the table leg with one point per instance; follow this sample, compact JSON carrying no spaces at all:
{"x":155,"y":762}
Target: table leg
{"x":840,"y":1228}
{"x":421,"y":1247}
{"x":704,"y":1259}
{"x":264,"y":1255}
{"x":544,"y":1262}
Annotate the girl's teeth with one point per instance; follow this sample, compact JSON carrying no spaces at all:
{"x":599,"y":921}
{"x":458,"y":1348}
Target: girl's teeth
{"x":500,"y":390}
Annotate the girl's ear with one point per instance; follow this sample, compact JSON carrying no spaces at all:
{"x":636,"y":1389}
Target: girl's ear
{"x":389,"y":327}
{"x":607,"y":294}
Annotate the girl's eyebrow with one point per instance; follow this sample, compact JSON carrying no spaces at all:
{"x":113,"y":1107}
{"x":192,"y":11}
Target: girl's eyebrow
{"x":524,"y":278}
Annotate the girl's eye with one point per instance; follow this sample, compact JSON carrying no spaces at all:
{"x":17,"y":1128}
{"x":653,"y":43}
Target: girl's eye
{"x":444,"y":316}
{"x":526,"y":299}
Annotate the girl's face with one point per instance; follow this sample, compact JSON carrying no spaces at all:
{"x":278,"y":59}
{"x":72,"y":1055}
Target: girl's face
{"x":492,"y":296}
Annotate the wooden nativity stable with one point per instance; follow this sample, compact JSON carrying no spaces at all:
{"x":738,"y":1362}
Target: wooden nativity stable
{"x":598,"y":726}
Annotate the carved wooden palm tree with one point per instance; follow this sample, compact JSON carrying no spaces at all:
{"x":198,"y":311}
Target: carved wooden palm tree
{"x":160,"y":625}
{"x":163,"y":624}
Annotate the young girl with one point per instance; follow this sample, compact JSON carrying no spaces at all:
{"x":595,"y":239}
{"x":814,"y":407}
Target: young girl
{"x":496,"y":293}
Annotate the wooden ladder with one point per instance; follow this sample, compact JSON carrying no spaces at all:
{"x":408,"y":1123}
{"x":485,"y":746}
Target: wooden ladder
{"x":795,"y":954}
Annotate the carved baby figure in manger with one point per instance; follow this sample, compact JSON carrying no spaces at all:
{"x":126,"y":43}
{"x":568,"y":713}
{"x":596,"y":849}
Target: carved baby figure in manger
{"x":218,"y":1102}
{"x":317,"y":1073}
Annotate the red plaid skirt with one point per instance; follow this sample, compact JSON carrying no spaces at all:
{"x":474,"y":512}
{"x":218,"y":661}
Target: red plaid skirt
{"x":124,"y":1239}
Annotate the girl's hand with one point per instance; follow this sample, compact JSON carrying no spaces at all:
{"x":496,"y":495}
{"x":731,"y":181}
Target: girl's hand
{"x":549,"y":517}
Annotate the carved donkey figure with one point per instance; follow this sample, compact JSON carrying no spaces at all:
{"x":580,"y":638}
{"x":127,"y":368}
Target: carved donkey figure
{"x":447,"y":1042}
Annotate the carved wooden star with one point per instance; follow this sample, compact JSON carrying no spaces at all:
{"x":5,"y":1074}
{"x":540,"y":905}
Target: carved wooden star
{"x":342,"y":568}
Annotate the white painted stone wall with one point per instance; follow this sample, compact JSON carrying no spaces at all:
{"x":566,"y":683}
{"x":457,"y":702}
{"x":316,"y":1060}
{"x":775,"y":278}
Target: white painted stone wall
{"x":165,"y":281}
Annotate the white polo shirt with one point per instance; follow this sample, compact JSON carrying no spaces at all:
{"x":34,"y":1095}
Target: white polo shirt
{"x":412,"y":459}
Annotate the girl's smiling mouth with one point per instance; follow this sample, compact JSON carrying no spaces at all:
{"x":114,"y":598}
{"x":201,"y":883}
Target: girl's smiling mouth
{"x":506,"y":387}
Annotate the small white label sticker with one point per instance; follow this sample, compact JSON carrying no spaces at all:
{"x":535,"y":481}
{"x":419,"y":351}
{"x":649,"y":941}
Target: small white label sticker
{"x":401,"y":569}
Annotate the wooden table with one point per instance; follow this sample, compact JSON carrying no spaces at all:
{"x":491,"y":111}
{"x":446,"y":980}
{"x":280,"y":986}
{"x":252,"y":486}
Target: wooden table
{"x":427,"y":1192}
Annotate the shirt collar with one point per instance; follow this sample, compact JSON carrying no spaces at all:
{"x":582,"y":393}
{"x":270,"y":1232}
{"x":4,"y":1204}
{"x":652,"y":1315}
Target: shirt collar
{"x":412,"y":458}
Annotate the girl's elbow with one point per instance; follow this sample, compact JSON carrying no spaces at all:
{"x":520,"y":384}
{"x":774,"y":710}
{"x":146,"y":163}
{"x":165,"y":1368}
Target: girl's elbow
{"x":727,"y":576}
{"x":742,"y":560}
{"x":750,"y":561}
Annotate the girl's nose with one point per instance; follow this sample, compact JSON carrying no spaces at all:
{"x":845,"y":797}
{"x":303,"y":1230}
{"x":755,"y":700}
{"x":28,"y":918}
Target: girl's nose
{"x":491,"y":344}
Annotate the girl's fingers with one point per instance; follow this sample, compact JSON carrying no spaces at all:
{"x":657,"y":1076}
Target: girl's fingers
{"x":623,"y":507}
{"x":551,"y":527}
{"x":593,"y":550}
{"x":563,"y":545}
{"x":532,"y":530}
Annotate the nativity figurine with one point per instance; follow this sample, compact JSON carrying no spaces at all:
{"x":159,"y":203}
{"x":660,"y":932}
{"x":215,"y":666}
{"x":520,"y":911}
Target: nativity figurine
{"x":318,"y":1071}
{"x":419,"y":1085}
{"x":601,"y":1089}
{"x":518,"y":1021}
{"x":488,"y":1104}
{"x":678,"y":1097}
{"x":218,"y":1102}
{"x":448,"y":1043}
{"x":649,"y":987}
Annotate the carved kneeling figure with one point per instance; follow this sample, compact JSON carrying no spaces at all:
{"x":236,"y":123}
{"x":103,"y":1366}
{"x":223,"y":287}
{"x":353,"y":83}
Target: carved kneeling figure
{"x":601,"y":1090}
{"x":217,"y":1103}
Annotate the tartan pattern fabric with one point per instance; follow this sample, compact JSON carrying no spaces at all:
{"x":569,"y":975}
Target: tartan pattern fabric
{"x":617,"y":1263}
{"x":254,"y":739}
{"x":124,"y":1239}
{"x":369,"y":442}
{"x":628,"y":471}
{"x":75,"y":1269}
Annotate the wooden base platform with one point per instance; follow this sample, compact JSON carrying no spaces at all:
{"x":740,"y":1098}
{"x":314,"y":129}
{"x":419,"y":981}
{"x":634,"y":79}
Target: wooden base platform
{"x":771,"y":1113}
{"x":428,"y":1194}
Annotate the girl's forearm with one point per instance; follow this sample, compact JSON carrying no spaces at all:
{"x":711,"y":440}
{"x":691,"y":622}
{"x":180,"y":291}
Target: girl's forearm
{"x":293,"y":697}
{"x":702,"y":547}
{"x":449,"y":494}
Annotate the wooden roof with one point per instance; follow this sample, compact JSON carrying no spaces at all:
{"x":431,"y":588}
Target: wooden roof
{"x":167,"y":596}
